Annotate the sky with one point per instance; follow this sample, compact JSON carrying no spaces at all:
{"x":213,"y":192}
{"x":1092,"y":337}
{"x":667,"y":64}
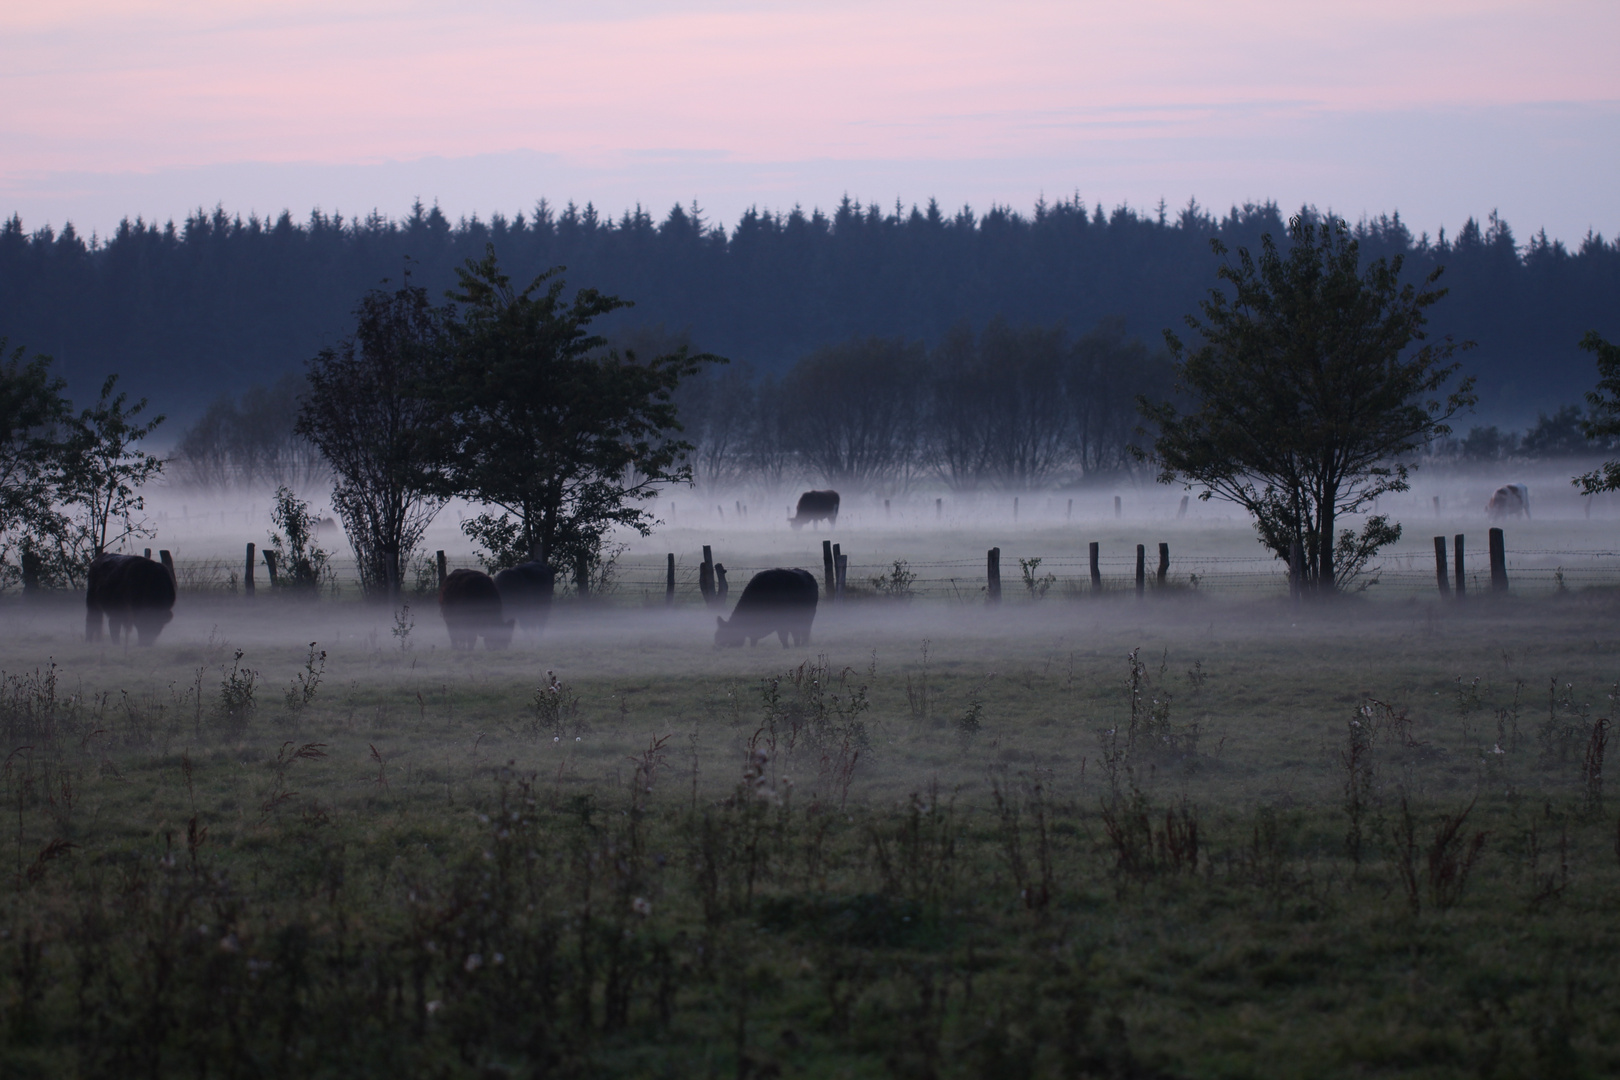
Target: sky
{"x":1439,"y":110}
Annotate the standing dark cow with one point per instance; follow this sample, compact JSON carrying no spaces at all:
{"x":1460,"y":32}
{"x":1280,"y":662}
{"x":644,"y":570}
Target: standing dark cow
{"x":471,"y":606}
{"x":814,"y":506}
{"x":131,"y":593}
{"x":1510,"y":500}
{"x":526,"y":593}
{"x":780,"y":602}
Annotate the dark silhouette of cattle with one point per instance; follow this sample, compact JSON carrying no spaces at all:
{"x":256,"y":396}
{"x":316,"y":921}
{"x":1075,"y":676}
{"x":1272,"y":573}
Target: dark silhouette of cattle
{"x":1509,"y":500}
{"x":131,"y":594}
{"x":526,"y":591}
{"x":471,"y":606}
{"x":815,"y":506}
{"x":780,"y":602}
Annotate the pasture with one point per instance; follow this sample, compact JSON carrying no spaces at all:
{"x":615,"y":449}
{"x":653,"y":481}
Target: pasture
{"x":1200,"y":833}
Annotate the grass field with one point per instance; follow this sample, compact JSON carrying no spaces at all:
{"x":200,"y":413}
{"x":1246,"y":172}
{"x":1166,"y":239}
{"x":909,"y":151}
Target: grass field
{"x":1366,"y":839}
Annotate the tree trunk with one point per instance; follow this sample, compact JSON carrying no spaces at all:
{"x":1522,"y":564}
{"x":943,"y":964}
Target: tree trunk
{"x":1325,"y":582}
{"x":391,"y":571}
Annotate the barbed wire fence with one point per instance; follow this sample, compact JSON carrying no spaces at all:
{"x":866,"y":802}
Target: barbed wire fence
{"x":642,"y":580}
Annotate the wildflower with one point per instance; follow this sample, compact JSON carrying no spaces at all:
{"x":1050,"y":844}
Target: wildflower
{"x":434,"y":1006}
{"x":474,"y":962}
{"x":230,"y":944}
{"x":641,"y":906}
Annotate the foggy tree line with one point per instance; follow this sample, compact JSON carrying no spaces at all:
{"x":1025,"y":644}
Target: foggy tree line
{"x":250,"y":441}
{"x":1014,"y":407}
{"x":213,"y":304}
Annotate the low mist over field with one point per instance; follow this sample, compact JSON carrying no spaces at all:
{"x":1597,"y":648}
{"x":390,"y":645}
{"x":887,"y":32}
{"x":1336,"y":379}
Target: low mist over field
{"x":612,"y":842}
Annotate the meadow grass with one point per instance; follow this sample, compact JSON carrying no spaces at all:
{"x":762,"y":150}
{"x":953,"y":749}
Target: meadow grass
{"x":1181,"y":836}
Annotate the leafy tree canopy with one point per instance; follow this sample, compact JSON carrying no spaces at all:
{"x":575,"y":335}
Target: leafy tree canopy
{"x":566,"y":437}
{"x":1605,"y":420}
{"x":1301,"y":395}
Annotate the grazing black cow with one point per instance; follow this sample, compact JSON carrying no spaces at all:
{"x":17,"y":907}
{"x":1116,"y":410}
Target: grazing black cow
{"x":1509,"y":500}
{"x":814,"y":506}
{"x":131,"y":593}
{"x":526,"y":591}
{"x":471,"y":606}
{"x":780,"y":602}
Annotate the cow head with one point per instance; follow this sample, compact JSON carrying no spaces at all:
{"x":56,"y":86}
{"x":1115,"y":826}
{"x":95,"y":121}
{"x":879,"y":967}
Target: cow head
{"x":727,"y":636}
{"x":149,"y":623}
{"x":498,"y":635}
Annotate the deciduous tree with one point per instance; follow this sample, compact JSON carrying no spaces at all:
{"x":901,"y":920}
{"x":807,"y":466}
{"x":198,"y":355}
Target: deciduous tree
{"x":565,"y":437}
{"x":1305,"y":392}
{"x":33,"y":411}
{"x":371,"y":408}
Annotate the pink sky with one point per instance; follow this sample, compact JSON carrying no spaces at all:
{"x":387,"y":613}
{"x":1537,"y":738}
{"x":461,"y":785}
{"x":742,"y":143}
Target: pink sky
{"x":1440,"y":110}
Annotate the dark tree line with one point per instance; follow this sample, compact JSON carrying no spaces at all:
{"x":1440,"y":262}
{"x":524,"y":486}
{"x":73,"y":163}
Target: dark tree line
{"x":192,"y":310}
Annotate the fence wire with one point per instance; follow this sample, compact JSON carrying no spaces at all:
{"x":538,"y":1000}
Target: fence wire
{"x":637,"y":580}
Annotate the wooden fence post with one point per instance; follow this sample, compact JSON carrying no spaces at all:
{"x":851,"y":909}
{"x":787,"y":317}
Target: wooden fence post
{"x":1437,"y":506}
{"x":1068,"y":515}
{"x":1164,"y":562}
{"x":1296,"y":571}
{"x":247,"y":575}
{"x":841,"y":569}
{"x":1181,"y":511}
{"x":149,"y":554}
{"x":885,"y":509}
{"x":669,"y":581}
{"x":827,"y":567}
{"x":1442,"y":566}
{"x":1499,"y":582}
{"x":706,"y":576}
{"x":168,"y":564}
{"x":939,"y":509}
{"x":1141,"y":569}
{"x":1116,"y":506}
{"x":1096,"y":571}
{"x":992,"y":576}
{"x":438,"y":559}
{"x":270,"y":565}
{"x":1457,"y":555}
{"x":1015,"y":509}
{"x":720,"y":586}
